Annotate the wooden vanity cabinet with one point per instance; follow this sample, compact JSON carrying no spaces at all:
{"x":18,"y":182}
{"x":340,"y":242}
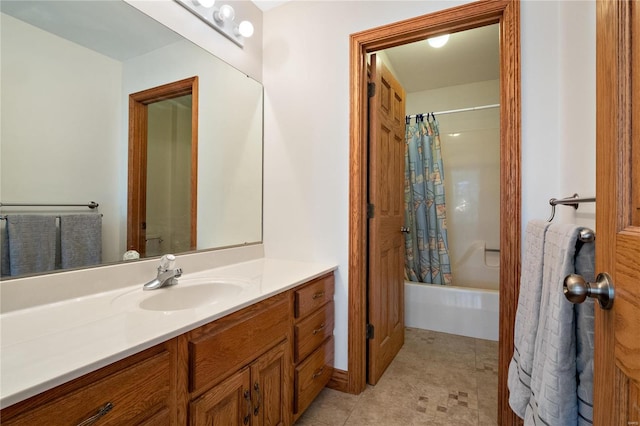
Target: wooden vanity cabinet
{"x":240,"y":367}
{"x":140,"y":390}
{"x":260,"y":366}
{"x":313,"y":340}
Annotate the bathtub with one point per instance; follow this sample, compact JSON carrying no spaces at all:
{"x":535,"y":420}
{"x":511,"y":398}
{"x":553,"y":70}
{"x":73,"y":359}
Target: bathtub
{"x":456,"y":310}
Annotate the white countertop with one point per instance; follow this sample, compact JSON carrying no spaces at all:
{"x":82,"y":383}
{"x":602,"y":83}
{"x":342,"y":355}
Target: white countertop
{"x":44,"y":346}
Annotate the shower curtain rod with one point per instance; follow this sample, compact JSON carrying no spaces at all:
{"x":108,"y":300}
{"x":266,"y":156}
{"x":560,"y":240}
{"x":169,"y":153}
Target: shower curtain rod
{"x":451,"y":111}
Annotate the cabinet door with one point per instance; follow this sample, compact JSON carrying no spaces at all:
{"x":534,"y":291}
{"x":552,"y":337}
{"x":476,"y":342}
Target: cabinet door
{"x":227,"y":404}
{"x":271,"y":387}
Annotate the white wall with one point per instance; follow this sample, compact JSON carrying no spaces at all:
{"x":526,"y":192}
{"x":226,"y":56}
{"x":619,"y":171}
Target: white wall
{"x":305,"y":73}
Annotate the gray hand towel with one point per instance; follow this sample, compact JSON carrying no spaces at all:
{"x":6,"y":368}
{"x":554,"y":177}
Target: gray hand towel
{"x":553,"y":378}
{"x":32,"y":243}
{"x":527,"y":317}
{"x":80,"y":240}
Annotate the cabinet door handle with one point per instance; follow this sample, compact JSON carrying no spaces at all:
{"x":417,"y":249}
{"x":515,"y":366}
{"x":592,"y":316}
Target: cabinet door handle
{"x":318,"y":295}
{"x":256,"y":410}
{"x":319,"y":329}
{"x":247,"y":398}
{"x":101,"y":412}
{"x":318,"y":373}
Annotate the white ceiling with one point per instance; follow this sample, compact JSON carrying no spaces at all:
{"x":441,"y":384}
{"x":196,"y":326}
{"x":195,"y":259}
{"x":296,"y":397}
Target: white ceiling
{"x":265,"y":5}
{"x":107,"y":27}
{"x":469,"y":56}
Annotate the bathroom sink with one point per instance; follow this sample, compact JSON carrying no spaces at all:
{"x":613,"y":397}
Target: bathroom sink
{"x":187,"y":294}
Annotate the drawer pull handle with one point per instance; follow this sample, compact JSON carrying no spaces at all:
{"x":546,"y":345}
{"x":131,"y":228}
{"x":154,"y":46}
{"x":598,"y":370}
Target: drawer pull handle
{"x":256,"y":387}
{"x":318,"y":373}
{"x":318,"y":295}
{"x":101,"y":412}
{"x":319,"y":329}
{"x":247,"y":398}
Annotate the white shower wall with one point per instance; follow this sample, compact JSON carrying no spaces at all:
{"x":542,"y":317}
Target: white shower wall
{"x":471,"y":155}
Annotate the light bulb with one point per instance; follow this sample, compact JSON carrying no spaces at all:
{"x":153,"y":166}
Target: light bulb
{"x":225,"y":13}
{"x":245,"y":29}
{"x":439,"y":41}
{"x":205,"y":3}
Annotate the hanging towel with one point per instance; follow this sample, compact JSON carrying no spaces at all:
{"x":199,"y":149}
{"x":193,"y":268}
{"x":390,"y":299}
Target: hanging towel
{"x":32,"y":243}
{"x":527,"y":317}
{"x":80,"y":240}
{"x":584,"y":316}
{"x":553,"y":378}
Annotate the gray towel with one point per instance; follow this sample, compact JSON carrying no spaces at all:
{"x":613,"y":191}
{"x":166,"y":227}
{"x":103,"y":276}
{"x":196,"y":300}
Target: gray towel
{"x":527,"y":317}
{"x":32,"y":243}
{"x":80,"y":240}
{"x":584,"y":316}
{"x":553,"y":378}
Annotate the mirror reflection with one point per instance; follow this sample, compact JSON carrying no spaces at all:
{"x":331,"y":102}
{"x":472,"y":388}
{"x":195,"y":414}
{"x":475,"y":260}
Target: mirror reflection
{"x":69,"y":70}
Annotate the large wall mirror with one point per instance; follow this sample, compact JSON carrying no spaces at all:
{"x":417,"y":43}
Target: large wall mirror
{"x":68,"y":70}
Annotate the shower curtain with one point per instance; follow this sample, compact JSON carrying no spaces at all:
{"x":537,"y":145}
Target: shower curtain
{"x":427,"y":249}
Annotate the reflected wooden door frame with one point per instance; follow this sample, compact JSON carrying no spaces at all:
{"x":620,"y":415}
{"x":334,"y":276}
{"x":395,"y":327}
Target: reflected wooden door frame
{"x":468,"y":16}
{"x":137,"y":180}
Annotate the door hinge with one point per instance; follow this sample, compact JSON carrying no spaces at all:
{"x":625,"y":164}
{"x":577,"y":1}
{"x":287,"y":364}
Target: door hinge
{"x":369,"y":331}
{"x":370,"y":211}
{"x":371,"y":89}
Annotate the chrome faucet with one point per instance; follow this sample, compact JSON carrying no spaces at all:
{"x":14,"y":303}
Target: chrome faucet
{"x":167,"y":274}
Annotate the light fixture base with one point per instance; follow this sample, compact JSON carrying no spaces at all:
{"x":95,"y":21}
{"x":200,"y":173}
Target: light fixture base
{"x":225,"y":27}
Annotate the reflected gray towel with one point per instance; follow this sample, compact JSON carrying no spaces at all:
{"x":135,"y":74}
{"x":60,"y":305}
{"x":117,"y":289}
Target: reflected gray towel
{"x":5,"y":267}
{"x":80,"y":240}
{"x":553,"y":378}
{"x":32,"y":243}
{"x":527,"y":317}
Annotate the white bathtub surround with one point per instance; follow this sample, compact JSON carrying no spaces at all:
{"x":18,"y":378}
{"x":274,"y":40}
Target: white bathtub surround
{"x":477,"y":267}
{"x":47,"y":344}
{"x":455,"y":310}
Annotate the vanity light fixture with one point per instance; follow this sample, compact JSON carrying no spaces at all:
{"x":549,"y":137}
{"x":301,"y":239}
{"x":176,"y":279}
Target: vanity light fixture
{"x":439,"y":41}
{"x":221,"y":19}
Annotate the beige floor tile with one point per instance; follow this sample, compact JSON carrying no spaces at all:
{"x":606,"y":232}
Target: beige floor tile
{"x":436,"y":379}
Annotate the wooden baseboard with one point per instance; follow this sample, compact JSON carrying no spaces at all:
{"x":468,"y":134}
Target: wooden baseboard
{"x":339,"y":381}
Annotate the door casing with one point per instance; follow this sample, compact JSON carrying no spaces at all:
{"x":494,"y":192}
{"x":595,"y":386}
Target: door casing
{"x":472,"y":15}
{"x":136,"y":186}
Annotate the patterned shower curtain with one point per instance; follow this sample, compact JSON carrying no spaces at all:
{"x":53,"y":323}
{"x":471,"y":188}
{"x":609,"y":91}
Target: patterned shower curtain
{"x":427,"y":249}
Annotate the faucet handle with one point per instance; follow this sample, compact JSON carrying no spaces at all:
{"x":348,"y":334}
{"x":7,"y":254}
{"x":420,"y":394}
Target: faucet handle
{"x":167,"y":262}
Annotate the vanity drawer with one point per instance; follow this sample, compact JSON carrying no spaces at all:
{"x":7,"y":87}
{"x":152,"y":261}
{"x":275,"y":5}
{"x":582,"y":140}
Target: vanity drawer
{"x":312,"y":375}
{"x":312,"y":331}
{"x":226,"y":345}
{"x":314,"y":295}
{"x":139,"y":394}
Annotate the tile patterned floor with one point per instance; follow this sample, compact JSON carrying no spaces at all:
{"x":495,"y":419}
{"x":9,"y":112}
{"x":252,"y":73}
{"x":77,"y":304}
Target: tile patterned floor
{"x":437,"y":379}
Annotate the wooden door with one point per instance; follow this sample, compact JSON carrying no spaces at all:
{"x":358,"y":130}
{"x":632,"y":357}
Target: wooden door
{"x":227,"y":404}
{"x":617,"y":344}
{"x":271,"y":387}
{"x":386,"y":218}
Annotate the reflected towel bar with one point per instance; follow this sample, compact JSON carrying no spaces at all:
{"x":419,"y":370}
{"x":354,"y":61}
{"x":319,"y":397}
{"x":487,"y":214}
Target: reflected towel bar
{"x":91,"y":205}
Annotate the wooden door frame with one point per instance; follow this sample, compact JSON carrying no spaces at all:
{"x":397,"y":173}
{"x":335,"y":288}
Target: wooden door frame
{"x":136,"y":198}
{"x":472,"y":15}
